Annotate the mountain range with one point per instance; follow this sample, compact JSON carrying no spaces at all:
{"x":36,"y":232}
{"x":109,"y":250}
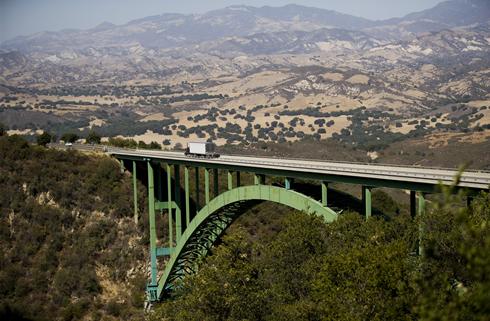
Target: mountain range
{"x":169,"y":31}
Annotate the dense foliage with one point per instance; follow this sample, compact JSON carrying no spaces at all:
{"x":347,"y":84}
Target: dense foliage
{"x":67,"y":240}
{"x":348,"y":270}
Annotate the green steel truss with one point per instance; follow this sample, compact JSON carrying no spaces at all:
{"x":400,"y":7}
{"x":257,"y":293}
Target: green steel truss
{"x":193,"y":230}
{"x":212,"y":220}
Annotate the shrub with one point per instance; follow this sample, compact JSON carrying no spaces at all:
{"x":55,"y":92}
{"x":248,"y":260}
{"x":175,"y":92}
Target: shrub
{"x":44,"y":139}
{"x":93,"y":138}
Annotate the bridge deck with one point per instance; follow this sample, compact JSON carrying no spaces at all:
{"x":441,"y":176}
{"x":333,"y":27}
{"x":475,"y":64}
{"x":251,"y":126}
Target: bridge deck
{"x":416,"y":178}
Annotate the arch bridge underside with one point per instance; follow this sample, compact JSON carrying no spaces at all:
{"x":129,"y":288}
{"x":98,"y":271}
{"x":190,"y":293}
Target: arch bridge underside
{"x":214,"y":218}
{"x":193,"y":230}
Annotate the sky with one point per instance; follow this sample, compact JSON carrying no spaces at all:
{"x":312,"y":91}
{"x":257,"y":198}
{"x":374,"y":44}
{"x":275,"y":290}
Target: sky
{"x":24,"y":17}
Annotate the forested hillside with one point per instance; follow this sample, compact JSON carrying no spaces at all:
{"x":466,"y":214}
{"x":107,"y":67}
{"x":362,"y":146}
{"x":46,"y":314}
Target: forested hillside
{"x":69,"y":250}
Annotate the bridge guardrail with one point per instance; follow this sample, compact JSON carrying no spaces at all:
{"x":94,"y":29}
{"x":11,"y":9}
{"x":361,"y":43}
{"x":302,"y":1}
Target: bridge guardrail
{"x":362,"y":163}
{"x":112,"y":149}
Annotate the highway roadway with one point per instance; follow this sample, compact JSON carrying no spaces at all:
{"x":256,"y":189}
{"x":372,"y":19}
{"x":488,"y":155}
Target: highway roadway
{"x":331,"y":169}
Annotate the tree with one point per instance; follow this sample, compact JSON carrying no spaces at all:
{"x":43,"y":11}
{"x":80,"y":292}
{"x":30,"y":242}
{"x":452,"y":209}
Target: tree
{"x":93,"y":138}
{"x":69,"y":137}
{"x":155,"y":145}
{"x":44,"y":139}
{"x":454,"y":276}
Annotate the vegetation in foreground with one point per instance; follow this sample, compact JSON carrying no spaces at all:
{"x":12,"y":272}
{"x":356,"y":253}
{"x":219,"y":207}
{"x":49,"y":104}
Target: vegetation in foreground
{"x":348,"y":270}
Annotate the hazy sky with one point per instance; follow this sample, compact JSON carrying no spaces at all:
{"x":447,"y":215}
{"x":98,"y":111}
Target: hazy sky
{"x":23,"y":17}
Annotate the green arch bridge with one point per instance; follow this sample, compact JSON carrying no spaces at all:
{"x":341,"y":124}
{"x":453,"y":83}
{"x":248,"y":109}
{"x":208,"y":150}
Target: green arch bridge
{"x":194,"y":225}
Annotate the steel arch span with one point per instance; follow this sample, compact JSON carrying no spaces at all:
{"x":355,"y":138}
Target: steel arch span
{"x":213,"y":219}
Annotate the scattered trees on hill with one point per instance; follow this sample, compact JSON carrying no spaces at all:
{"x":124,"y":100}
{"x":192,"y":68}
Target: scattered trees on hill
{"x":44,"y":139}
{"x":69,"y":137}
{"x":151,"y":145}
{"x":93,"y":138}
{"x":123,"y":143}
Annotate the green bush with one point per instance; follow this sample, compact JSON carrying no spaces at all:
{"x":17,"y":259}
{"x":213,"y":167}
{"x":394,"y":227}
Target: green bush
{"x":44,"y":139}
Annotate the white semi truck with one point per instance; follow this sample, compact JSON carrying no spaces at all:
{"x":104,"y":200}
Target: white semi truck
{"x":201,"y":150}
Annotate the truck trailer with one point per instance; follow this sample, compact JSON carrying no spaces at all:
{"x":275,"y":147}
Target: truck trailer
{"x":201,"y":150}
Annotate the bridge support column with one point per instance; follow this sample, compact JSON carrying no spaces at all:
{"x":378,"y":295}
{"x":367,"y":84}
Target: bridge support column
{"x":153,"y":235}
{"x":178,"y":212}
{"x":366,"y":200}
{"x":215,"y":182}
{"x":187,"y":196}
{"x":237,"y":179}
{"x":230,"y":180}
{"x":169,"y":208}
{"x":135,"y":193}
{"x":121,"y":164}
{"x":324,"y":193}
{"x":288,"y":182}
{"x":420,"y":213}
{"x":413,"y":204}
{"x":198,"y":203}
{"x":206,"y":185}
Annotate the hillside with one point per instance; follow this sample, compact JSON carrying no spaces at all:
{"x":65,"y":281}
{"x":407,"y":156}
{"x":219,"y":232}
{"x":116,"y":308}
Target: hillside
{"x":69,"y":249}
